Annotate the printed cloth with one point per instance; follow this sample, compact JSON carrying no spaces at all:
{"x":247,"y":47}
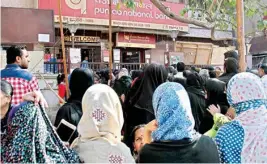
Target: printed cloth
{"x":30,"y":138}
{"x":244,"y":140}
{"x":100,"y":128}
{"x":264,"y":82}
{"x":21,"y":80}
{"x":173,"y":113}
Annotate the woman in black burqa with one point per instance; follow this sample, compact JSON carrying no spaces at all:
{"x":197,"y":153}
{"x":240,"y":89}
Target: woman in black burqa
{"x":81,"y":79}
{"x":215,"y":96}
{"x":197,"y":96}
{"x":138,"y":104}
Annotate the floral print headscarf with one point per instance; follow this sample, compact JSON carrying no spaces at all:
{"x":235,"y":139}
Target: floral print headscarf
{"x":244,"y":140}
{"x":30,"y":138}
{"x":173,"y":113}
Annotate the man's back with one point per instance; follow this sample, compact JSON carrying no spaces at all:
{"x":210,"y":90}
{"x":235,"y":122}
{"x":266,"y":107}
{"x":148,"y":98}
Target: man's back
{"x":21,"y":80}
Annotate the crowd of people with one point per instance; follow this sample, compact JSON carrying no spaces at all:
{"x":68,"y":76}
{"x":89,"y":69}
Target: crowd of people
{"x":157,"y":114}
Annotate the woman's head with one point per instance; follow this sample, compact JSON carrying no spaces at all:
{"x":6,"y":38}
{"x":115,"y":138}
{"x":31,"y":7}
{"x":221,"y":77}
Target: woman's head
{"x":204,"y":73}
{"x":245,"y":91}
{"x":102,"y":114}
{"x":81,"y":79}
{"x":194,"y":80}
{"x":173,"y":113}
{"x":181,"y":81}
{"x":154,"y":75}
{"x":138,"y":138}
{"x":136,"y":73}
{"x":214,"y":88}
{"x":186,"y":73}
{"x":123,"y":72}
{"x":156,"y":72}
{"x":60,"y":78}
{"x":5,"y":96}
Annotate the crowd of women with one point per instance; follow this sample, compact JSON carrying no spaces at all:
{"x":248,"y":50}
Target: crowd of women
{"x":154,"y":115}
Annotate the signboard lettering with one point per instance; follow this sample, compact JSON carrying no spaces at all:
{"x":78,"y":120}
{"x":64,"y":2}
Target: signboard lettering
{"x":136,"y":40}
{"x":96,"y":12}
{"x":90,"y":39}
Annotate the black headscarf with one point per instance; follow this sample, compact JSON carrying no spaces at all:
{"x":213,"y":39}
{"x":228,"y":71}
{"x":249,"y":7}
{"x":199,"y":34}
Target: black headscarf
{"x":136,"y":73}
{"x":181,"y":81}
{"x":196,"y":93}
{"x":194,"y":80}
{"x":81,"y":79}
{"x":154,"y":75}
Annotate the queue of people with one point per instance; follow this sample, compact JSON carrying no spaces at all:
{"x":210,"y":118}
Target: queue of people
{"x":154,"y":115}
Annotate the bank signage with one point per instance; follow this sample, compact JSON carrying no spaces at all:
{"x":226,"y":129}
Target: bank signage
{"x":96,"y":12}
{"x":135,"y":40}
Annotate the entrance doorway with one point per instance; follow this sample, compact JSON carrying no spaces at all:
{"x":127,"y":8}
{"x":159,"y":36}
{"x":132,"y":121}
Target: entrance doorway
{"x":131,"y":56}
{"x":93,"y":54}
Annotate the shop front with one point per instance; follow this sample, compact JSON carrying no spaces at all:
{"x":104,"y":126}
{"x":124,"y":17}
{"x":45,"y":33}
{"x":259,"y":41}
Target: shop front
{"x":89,"y":46}
{"x":132,"y":46}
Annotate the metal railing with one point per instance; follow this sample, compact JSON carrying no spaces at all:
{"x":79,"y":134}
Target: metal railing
{"x":53,"y":67}
{"x":57,"y":67}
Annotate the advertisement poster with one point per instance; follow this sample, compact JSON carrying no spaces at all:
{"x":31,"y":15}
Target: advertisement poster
{"x":116,"y":54}
{"x":75,"y":55}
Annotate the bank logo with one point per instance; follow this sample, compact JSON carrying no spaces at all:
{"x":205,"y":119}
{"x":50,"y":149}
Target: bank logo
{"x":126,"y":37}
{"x":77,"y":5}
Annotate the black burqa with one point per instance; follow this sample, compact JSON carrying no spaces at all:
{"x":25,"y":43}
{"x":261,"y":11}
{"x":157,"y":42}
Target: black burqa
{"x":196,"y":93}
{"x":215,"y":96}
{"x":81,"y":79}
{"x":138,"y":105}
{"x":231,"y":69}
{"x":122,"y":85}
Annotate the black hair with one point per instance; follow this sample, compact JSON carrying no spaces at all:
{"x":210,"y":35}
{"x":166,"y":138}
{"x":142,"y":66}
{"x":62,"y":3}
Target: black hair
{"x":60,"y":78}
{"x":134,"y":130}
{"x":12,"y":52}
{"x":180,"y":66}
{"x":232,"y":54}
{"x":133,"y":133}
{"x":212,"y":74}
{"x":264,"y":67}
{"x":7,"y":89}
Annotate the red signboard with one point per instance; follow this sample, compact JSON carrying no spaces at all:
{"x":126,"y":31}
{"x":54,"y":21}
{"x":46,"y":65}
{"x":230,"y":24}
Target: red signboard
{"x":135,"y":40}
{"x":96,"y":12}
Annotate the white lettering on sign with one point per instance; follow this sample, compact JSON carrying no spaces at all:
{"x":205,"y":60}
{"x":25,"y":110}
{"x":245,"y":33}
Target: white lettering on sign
{"x":77,"y":4}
